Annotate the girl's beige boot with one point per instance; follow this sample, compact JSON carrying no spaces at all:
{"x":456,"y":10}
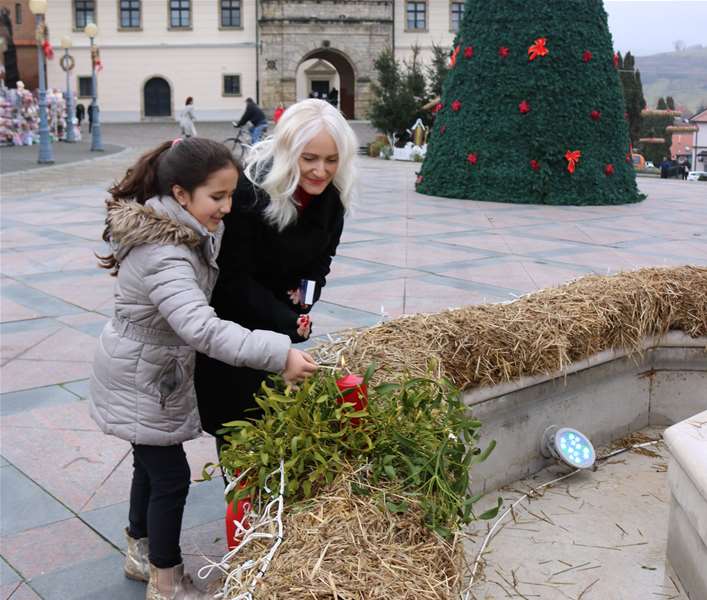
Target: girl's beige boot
{"x":137,"y":563}
{"x":172,"y":584}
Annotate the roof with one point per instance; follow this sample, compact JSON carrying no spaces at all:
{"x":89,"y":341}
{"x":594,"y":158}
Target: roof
{"x":700,"y":117}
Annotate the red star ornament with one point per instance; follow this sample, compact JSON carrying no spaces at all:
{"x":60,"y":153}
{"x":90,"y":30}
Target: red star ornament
{"x":538,"y":49}
{"x":439,"y":106}
{"x":442,"y":129}
{"x":472,"y":158}
{"x":586,"y":56}
{"x":524,"y":107}
{"x":535,"y":165}
{"x":468,"y":51}
{"x":456,"y":106}
{"x":609,"y":170}
{"x":595,"y":115}
{"x":503,"y":52}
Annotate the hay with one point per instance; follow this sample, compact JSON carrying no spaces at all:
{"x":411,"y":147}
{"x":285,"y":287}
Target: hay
{"x":346,"y":546}
{"x":540,"y":333}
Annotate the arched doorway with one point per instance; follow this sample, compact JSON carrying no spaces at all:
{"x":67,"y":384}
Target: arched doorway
{"x":157,"y":98}
{"x":346,"y":77}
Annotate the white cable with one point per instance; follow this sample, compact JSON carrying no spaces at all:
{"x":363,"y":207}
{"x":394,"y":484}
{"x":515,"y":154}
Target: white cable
{"x":465,"y":594}
{"x":264,"y":521}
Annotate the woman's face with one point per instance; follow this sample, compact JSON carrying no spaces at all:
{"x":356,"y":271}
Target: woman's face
{"x":318,"y":163}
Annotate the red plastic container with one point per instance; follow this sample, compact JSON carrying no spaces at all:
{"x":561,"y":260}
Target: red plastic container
{"x":353,"y":390}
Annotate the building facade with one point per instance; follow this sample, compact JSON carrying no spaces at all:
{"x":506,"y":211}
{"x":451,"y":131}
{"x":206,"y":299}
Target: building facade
{"x":155,"y":53}
{"x":17,"y":28}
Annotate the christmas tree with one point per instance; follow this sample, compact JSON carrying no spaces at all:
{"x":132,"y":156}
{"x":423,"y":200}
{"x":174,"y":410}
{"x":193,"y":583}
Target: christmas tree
{"x":532,"y":109}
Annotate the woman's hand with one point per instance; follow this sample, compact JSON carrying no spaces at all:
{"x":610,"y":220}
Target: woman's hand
{"x":304,"y":326}
{"x":296,"y":298}
{"x":299,"y":366}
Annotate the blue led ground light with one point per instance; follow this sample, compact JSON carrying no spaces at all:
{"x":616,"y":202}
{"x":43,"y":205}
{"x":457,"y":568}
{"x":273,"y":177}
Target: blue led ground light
{"x":568,"y":445}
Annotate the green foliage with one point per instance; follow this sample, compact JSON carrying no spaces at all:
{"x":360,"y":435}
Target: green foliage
{"x":437,"y":69}
{"x":399,"y":93}
{"x":670,"y":102}
{"x":375,"y":148}
{"x":653,"y":126}
{"x":562,"y":90}
{"x":415,"y":436}
{"x":662,"y":104}
{"x":634,"y":100}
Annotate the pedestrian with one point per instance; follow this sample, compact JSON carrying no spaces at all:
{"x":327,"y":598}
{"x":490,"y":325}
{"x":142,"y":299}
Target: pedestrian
{"x":683,"y":169}
{"x":187,"y":118}
{"x":164,"y":226}
{"x":284,"y":231}
{"x":80,"y":113}
{"x":255,"y":115}
{"x":334,"y":97}
{"x":278,"y":112}
{"x":664,"y":168}
{"x":91,"y":108}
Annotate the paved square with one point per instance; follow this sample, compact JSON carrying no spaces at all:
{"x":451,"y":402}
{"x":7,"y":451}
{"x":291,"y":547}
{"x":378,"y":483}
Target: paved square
{"x":65,"y":485}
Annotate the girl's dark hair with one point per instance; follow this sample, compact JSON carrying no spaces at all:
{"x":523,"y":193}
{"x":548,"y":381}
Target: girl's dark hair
{"x":187,"y":163}
{"x":189,"y":100}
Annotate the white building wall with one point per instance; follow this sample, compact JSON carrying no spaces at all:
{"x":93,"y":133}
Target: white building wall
{"x":438,"y":30}
{"x":192,"y":61}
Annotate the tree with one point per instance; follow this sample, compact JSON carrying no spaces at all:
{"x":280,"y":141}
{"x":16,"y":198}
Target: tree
{"x":398,"y":94}
{"x":670,"y":102}
{"x":437,"y":70}
{"x":531,"y":111}
{"x":634,"y":100}
{"x":662,"y":105}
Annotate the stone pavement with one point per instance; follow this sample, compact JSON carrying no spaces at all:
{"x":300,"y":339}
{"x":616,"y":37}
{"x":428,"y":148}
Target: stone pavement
{"x":64,"y":485}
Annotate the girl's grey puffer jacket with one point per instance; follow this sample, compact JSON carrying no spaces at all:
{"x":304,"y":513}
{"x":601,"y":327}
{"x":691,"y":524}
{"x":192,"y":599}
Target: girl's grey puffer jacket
{"x":142,"y":386}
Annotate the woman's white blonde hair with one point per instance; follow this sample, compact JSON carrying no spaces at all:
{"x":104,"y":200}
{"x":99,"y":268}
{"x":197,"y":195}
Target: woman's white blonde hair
{"x":273,"y":163}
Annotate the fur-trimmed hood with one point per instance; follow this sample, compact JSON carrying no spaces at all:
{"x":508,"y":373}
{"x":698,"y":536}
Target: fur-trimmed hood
{"x":159,"y":221}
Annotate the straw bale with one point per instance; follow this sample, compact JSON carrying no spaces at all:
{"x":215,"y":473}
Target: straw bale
{"x":542,"y":332}
{"x":347,"y":546}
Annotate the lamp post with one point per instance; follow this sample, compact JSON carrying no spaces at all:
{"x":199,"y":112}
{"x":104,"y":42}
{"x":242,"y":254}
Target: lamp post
{"x":38,"y":8}
{"x":67,"y":64}
{"x":91,"y":30}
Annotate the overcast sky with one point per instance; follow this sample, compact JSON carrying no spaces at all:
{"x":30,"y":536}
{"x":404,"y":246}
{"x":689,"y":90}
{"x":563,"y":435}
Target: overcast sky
{"x":651,"y":26}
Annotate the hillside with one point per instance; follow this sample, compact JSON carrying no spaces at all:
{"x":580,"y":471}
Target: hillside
{"x":682,"y":75}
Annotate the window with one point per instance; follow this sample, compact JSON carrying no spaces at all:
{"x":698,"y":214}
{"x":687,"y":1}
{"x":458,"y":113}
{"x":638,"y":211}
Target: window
{"x":84,"y":13}
{"x":457,"y":13}
{"x":18,"y":14}
{"x":129,"y":14}
{"x":85,"y":87}
{"x":230,"y":13}
{"x":231,"y":85}
{"x":416,"y":15}
{"x":179,"y":14}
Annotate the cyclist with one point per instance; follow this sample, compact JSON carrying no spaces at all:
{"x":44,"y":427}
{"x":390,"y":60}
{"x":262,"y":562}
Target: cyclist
{"x":256,"y":116}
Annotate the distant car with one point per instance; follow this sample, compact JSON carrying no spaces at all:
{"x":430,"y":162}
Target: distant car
{"x":649,"y":165}
{"x":697,"y":176}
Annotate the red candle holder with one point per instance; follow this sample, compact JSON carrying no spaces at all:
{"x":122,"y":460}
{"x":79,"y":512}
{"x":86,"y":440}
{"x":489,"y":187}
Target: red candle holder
{"x":236,"y":511}
{"x":355,"y":391}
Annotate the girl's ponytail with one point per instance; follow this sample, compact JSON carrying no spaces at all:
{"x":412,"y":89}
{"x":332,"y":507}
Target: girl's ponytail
{"x":141,"y":181}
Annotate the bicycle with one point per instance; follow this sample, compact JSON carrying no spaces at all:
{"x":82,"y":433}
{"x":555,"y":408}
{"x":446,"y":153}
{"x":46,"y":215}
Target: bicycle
{"x":237,"y":144}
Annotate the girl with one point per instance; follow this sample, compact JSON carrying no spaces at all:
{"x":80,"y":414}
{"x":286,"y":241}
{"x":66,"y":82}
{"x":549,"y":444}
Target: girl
{"x":165,"y":227}
{"x":187,"y":118}
{"x":285,"y":229}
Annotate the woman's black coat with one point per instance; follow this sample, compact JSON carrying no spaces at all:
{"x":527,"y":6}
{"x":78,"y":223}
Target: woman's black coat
{"x":258,"y":265}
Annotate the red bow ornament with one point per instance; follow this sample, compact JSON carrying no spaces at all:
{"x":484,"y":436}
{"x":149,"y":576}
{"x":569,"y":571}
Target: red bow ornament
{"x":572,"y":157}
{"x":538,"y":49}
{"x":616,"y":60}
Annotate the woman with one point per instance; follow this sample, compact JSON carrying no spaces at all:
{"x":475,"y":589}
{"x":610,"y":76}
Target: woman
{"x":187,"y":118}
{"x":284,"y":227}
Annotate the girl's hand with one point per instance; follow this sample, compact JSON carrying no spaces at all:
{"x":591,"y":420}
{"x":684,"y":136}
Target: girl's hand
{"x":299,"y":366}
{"x":304,"y":326}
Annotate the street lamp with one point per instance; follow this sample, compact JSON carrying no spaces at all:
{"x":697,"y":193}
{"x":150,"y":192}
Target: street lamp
{"x":91,"y":30}
{"x":67,"y":64}
{"x":38,"y":8}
